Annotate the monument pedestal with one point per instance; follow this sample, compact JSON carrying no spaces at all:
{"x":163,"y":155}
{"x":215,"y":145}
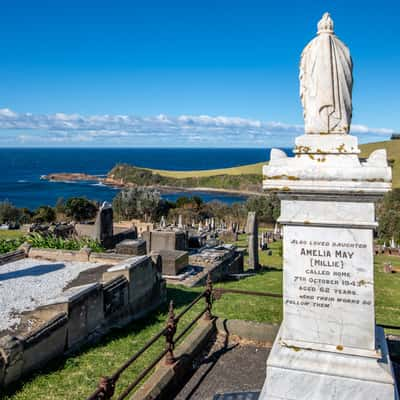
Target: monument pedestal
{"x":328,"y":346}
{"x":297,"y":373}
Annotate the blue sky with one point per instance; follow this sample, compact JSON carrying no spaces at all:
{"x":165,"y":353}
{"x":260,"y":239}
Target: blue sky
{"x":183,"y":73}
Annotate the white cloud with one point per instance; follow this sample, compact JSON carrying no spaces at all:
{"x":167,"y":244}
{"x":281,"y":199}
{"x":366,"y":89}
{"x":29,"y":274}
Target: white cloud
{"x":157,"y":130}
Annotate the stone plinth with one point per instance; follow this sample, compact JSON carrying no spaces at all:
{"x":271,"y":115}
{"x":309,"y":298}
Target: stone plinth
{"x":172,"y":261}
{"x":299,"y":373}
{"x":131,"y":247}
{"x":165,"y":240}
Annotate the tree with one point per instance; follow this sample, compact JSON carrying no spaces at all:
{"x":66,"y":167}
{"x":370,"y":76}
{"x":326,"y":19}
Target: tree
{"x":44,"y":214}
{"x":140,"y":203}
{"x":80,"y":209}
{"x":9,"y":213}
{"x":26,"y":215}
{"x":266,"y":207}
{"x":194,"y":202}
{"x":60,"y":206}
{"x":388,"y":214}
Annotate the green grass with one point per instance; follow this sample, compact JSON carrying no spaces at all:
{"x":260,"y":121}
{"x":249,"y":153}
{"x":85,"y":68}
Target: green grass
{"x":387,"y":289}
{"x":75,"y":377}
{"x":236,"y":179}
{"x":241,"y":170}
{"x":11,"y":234}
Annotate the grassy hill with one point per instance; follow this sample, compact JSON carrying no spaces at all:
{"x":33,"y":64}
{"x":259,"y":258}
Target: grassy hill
{"x":393,"y":151}
{"x":232,"y":179}
{"x":242,"y":170}
{"x":246,"y":177}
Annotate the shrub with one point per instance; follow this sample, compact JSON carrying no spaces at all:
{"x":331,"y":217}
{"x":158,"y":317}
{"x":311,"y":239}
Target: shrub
{"x":7,"y":245}
{"x":388,"y":213}
{"x":266,"y":207}
{"x":54,"y":242}
{"x":9,"y":213}
{"x":44,"y":214}
{"x":80,"y":209}
{"x":140,"y":203}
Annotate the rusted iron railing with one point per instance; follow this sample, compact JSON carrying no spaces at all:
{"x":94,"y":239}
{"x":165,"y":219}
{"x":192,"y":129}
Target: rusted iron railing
{"x":218,"y":292}
{"x":107,"y":384}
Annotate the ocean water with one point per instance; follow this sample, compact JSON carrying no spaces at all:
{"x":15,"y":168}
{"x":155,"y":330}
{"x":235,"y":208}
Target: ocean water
{"x":21,"y":169}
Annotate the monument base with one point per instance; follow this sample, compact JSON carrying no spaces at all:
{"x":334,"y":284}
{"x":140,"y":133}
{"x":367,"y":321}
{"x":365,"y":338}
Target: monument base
{"x":302,"y":374}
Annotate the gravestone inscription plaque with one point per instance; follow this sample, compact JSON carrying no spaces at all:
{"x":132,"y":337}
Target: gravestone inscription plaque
{"x":329,"y":275}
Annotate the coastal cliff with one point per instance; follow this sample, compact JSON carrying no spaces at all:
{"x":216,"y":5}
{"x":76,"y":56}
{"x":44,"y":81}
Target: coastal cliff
{"x":124,"y":175}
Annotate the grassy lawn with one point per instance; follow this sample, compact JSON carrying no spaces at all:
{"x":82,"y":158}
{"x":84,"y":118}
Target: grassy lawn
{"x":387,"y":292}
{"x":241,"y":170}
{"x":11,"y":234}
{"x":75,"y":377}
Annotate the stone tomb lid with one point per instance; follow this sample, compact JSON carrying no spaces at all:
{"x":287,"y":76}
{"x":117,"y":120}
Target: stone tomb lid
{"x":69,"y":295}
{"x":131,"y":242}
{"x":128,"y":264}
{"x":169,"y":253}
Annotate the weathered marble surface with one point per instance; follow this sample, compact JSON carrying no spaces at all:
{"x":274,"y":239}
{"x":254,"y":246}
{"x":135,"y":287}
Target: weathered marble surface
{"x":326,"y":144}
{"x":128,"y":264}
{"x":301,"y":374}
{"x":327,"y":213}
{"x":326,"y":82}
{"x":313,"y":170}
{"x":328,"y":288}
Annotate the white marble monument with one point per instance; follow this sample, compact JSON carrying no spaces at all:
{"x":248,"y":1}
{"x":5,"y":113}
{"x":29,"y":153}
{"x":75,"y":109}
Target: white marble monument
{"x":328,"y":346}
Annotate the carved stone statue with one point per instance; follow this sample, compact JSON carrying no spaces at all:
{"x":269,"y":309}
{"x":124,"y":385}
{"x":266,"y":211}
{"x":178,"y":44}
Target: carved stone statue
{"x":326,"y":82}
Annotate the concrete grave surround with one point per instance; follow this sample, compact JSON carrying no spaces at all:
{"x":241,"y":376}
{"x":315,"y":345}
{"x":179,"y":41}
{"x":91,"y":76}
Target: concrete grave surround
{"x":328,"y":346}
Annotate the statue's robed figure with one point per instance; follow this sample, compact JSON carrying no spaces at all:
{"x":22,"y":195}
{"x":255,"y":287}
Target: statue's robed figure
{"x":326,"y":82}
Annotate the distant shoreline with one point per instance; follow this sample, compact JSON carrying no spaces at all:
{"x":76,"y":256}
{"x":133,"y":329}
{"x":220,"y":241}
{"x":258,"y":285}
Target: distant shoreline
{"x":115,"y":183}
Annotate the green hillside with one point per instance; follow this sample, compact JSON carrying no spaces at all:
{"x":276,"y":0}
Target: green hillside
{"x":242,"y":170}
{"x":245,"y":178}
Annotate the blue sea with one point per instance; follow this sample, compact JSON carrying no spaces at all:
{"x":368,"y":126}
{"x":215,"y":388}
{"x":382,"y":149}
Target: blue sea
{"x":21,"y":170}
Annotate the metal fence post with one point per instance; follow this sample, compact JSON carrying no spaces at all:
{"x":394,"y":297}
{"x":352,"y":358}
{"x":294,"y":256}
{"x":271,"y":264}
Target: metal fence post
{"x":107,"y":388}
{"x":169,"y":335}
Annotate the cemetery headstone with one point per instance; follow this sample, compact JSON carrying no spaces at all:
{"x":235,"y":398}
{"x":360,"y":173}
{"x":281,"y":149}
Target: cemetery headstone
{"x":328,"y":346}
{"x":103,"y":227}
{"x":252,"y":232}
{"x":163,"y":222}
{"x":180,"y":221}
